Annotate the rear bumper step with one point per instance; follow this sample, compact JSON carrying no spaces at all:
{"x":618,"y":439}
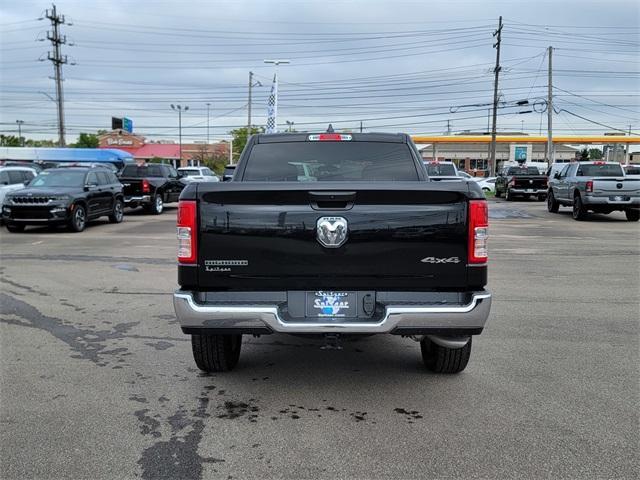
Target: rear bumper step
{"x":400,"y":319}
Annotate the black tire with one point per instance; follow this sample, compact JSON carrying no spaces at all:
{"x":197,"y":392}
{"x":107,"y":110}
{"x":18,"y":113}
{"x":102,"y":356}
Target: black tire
{"x":156,"y":207}
{"x":552,"y":205}
{"x":78,"y":220}
{"x":508,"y":196}
{"x":579,"y":212}
{"x":15,"y":228}
{"x":632,"y":215}
{"x":216,"y":353}
{"x":440,"y":359}
{"x":117,"y":214}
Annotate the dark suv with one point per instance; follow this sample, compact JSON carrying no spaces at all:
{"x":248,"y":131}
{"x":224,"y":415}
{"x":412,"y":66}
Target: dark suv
{"x":68,"y":195}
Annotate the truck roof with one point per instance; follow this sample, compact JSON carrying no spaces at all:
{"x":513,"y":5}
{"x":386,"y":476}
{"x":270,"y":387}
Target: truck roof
{"x":355,"y":137}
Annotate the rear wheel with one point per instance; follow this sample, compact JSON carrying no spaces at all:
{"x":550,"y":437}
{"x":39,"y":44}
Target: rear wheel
{"x":508,"y":196}
{"x":157,"y":205}
{"x":15,"y":228}
{"x":117,"y":214}
{"x":579,"y":212}
{"x":216,"y":353}
{"x":552,"y":205}
{"x":632,"y":215}
{"x":78,"y":219}
{"x":439,"y":359}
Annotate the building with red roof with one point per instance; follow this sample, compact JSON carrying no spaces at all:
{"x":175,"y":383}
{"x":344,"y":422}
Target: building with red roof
{"x":136,"y":145}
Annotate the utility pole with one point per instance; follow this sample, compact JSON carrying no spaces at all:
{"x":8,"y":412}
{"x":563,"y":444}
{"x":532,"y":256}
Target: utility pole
{"x":448,"y":127}
{"x":251,"y":85}
{"x":208,"y":106}
{"x":361,"y":127}
{"x":550,"y":153}
{"x":180,"y":109}
{"x":290,"y":126}
{"x":249,"y":104}
{"x":492,"y":158}
{"x":58,"y":60}
{"x":20,"y":139}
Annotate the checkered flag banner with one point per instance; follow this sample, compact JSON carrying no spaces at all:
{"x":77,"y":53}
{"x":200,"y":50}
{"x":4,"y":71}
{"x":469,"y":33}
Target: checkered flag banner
{"x":272,"y":107}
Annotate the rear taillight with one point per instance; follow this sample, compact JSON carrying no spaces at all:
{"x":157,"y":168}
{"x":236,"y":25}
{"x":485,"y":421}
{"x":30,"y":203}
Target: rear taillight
{"x":478,"y":231}
{"x":589,"y":186}
{"x":187,"y":232}
{"x":145,"y":186}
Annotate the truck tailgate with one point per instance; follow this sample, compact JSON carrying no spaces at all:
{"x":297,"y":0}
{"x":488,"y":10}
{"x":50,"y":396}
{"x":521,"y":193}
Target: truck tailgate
{"x":400,"y":236}
{"x":606,"y":186}
{"x":531,"y":182}
{"x":131,"y":186}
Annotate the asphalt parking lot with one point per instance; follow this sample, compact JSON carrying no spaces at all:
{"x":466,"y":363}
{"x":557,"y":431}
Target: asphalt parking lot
{"x":99,"y":382}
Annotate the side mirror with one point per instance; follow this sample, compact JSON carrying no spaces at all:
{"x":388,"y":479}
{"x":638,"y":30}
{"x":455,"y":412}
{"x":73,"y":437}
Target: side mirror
{"x":90,"y":186}
{"x":556,"y":175}
{"x":25,"y":183}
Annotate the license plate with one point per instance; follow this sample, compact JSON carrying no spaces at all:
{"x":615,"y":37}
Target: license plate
{"x":529,"y":189}
{"x":330,"y":304}
{"x":619,"y":198}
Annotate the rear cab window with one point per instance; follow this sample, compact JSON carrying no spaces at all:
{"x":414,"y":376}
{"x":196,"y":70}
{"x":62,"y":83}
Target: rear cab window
{"x":328,"y":161}
{"x":523,"y":171}
{"x":440,"y":170}
{"x":142,"y":171}
{"x":600,"y":170}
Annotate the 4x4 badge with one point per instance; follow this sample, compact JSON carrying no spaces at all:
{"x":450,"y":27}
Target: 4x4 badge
{"x":440,"y":260}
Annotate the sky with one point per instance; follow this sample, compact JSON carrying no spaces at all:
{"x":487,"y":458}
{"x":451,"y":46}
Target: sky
{"x":420,"y":67}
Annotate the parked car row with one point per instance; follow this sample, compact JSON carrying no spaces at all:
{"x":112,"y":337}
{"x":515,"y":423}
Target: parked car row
{"x":74,"y":194}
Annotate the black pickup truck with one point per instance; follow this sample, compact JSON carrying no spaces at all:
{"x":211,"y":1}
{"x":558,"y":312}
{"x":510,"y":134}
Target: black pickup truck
{"x":151,"y":185}
{"x":522,"y":182}
{"x":329,"y":235}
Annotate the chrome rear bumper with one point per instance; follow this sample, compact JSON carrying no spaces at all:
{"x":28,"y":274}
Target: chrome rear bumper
{"x":410,"y":318}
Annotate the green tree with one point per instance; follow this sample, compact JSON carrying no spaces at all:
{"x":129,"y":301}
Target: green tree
{"x":217,"y":162}
{"x":595,"y":154}
{"x":9,"y":141}
{"x":87,"y":140}
{"x":40,"y":143}
{"x":584,"y":154}
{"x":240,"y":138}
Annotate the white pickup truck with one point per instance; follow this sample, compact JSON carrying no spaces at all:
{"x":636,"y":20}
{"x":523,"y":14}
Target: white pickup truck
{"x":600,"y":187}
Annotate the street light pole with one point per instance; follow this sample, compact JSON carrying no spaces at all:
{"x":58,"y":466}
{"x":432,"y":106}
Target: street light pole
{"x":180,"y":109}
{"x":289,"y":126}
{"x":20,"y":122}
{"x":208,"y":105}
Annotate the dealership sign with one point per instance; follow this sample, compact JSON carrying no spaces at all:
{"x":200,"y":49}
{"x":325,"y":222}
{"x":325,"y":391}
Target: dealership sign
{"x":119,"y":141}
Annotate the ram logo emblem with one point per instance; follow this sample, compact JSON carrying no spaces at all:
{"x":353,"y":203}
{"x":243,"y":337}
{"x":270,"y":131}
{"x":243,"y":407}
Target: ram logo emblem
{"x":332,"y":232}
